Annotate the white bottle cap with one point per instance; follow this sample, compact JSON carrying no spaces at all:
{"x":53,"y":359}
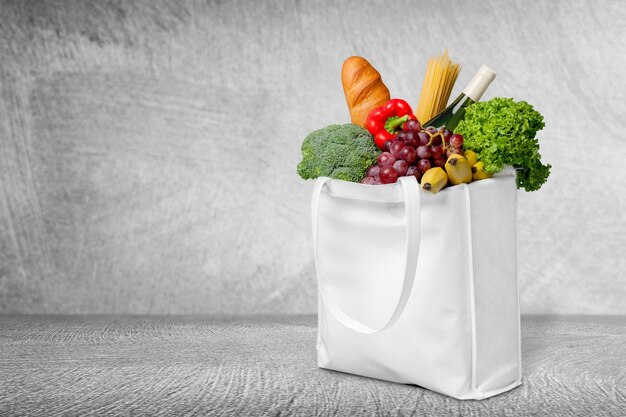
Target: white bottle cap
{"x":479,"y":83}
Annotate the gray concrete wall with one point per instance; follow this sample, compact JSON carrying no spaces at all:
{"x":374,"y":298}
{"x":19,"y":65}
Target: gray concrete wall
{"x":148,"y":149}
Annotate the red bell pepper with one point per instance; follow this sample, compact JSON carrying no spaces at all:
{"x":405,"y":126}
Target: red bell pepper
{"x":385,"y":122}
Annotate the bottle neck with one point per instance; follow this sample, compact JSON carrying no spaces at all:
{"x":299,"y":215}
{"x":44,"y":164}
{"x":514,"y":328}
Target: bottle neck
{"x":479,"y":83}
{"x":459,"y":102}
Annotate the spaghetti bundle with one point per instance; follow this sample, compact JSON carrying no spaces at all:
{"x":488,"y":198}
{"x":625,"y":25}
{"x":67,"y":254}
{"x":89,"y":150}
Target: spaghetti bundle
{"x":441,"y":74}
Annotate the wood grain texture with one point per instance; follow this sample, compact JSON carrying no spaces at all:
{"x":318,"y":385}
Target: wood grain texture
{"x":148,"y":148}
{"x":265,"y":365}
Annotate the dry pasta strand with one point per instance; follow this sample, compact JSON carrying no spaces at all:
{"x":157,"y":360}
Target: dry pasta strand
{"x":441,"y":74}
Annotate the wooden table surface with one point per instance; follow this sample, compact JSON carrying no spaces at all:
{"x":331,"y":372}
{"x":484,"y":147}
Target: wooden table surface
{"x":265,"y":365}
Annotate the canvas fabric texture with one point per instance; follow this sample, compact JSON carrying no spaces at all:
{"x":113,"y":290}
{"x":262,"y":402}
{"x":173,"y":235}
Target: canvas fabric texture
{"x":419,"y":288}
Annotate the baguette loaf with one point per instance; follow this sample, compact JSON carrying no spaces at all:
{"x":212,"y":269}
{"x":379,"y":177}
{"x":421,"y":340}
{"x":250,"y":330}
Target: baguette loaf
{"x":363,"y":88}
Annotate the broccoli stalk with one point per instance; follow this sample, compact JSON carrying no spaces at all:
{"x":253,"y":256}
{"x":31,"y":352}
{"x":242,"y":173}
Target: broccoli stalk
{"x":343,"y":152}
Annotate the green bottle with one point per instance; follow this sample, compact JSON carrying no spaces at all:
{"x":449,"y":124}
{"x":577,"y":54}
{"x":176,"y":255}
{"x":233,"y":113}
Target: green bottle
{"x":453,"y":114}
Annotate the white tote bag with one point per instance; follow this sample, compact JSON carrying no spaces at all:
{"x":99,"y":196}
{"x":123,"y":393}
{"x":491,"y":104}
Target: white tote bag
{"x":419,"y":288}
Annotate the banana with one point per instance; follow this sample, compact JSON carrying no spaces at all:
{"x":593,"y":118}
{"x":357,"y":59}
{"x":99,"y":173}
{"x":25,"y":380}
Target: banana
{"x":471,"y":157}
{"x":459,"y":170}
{"x":478,"y":172}
{"x":434,"y":180}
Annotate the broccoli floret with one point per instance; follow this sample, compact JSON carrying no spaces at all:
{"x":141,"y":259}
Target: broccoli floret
{"x":343,"y":152}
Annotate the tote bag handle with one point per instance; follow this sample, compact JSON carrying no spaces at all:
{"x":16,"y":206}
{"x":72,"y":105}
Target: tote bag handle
{"x":411,"y":192}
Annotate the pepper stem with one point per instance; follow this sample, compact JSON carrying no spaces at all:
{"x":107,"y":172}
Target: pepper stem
{"x":394,"y":122}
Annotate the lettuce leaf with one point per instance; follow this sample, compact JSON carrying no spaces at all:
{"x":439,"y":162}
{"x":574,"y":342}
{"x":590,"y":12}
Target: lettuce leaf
{"x":502,"y":132}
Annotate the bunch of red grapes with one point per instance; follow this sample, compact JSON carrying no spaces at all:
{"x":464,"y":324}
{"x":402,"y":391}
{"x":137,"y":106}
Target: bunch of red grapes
{"x":413,"y":152}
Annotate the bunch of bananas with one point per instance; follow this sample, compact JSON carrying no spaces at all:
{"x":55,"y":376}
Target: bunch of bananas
{"x":458,"y":169}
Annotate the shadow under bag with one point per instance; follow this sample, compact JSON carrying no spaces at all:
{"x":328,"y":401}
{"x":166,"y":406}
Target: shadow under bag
{"x":419,"y":288}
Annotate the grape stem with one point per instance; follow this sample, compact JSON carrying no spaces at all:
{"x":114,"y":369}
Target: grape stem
{"x":434,"y":135}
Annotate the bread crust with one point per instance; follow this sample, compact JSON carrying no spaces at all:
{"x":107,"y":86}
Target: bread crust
{"x":363,"y":87}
